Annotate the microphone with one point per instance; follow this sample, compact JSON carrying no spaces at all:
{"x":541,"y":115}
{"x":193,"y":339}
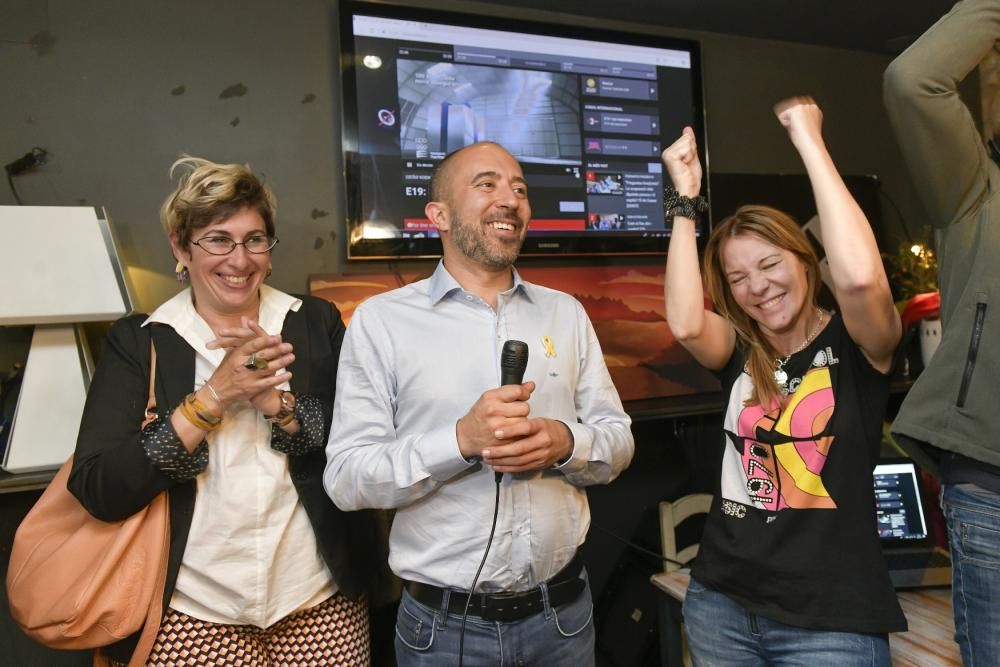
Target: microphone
{"x":513,"y":361}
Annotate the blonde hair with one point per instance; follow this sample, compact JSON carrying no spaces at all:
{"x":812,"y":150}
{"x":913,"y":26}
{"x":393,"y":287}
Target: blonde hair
{"x":208,"y":192}
{"x":780,"y":230}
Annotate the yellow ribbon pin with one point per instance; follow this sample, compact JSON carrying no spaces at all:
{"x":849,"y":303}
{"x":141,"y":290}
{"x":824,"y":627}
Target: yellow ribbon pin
{"x":550,"y":349}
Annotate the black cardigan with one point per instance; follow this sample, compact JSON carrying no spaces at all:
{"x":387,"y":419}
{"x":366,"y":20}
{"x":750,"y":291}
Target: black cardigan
{"x":113,"y":478}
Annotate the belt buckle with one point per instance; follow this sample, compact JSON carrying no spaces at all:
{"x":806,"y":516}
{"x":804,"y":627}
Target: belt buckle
{"x":506,"y":607}
{"x":488,"y":603}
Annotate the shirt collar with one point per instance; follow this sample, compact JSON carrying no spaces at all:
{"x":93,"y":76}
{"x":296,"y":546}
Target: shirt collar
{"x":178,"y":312}
{"x":274,"y":306}
{"x":525,"y":288}
{"x":443,"y":284}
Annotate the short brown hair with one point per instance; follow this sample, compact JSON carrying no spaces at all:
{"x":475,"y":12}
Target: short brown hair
{"x":208,"y":192}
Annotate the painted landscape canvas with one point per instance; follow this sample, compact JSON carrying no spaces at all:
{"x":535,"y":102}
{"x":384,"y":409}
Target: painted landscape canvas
{"x":625,"y":303}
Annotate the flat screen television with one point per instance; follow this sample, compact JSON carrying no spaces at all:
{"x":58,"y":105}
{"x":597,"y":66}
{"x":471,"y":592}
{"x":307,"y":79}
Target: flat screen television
{"x":586,"y":112}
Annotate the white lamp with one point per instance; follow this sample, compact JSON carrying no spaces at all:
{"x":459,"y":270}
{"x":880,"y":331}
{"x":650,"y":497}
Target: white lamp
{"x":59,"y":267}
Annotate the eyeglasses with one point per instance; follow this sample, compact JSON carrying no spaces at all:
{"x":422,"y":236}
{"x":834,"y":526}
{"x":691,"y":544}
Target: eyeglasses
{"x":223,"y":245}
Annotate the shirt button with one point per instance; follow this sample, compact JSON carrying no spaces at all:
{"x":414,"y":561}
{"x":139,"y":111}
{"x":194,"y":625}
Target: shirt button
{"x":469,"y":297}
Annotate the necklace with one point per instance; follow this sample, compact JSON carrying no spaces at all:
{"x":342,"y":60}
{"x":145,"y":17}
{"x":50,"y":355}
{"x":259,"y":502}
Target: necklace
{"x":780,"y":376}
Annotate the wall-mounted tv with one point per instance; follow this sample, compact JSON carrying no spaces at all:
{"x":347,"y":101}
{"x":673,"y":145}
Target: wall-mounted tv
{"x":586,"y":112}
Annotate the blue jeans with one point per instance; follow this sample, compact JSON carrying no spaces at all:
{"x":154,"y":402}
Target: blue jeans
{"x":721,"y":633}
{"x":555,"y":636}
{"x":973,"y":517}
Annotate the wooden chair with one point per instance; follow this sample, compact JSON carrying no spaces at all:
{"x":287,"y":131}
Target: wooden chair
{"x":672,"y":514}
{"x":673,"y":581}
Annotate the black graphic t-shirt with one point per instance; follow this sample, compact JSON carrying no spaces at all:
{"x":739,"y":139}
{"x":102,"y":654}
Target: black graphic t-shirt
{"x":791,"y":534}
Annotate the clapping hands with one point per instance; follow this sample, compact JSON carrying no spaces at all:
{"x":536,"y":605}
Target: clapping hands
{"x":234,"y":381}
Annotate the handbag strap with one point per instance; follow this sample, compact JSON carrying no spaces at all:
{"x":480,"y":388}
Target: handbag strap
{"x":149,"y":416}
{"x":151,"y":629}
{"x":154,"y":615}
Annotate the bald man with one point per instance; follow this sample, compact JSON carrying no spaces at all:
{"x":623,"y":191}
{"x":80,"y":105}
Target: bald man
{"x":421,"y":425}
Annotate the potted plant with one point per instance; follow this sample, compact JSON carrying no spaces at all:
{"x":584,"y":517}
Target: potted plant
{"x":912,"y":272}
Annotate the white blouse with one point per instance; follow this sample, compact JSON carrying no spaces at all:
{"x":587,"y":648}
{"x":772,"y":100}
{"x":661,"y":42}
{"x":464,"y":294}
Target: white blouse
{"x":251,"y":556}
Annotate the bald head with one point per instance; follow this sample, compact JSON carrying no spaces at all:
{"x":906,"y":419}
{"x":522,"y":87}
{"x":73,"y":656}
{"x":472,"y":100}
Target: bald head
{"x":443,"y":176}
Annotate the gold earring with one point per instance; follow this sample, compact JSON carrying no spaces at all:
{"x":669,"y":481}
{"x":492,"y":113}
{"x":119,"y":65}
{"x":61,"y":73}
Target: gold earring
{"x":270,"y":268}
{"x":181,"y":273}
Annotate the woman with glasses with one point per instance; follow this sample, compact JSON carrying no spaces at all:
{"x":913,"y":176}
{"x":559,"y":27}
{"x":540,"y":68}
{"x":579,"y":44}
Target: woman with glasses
{"x":790,"y":569}
{"x":263,"y":568}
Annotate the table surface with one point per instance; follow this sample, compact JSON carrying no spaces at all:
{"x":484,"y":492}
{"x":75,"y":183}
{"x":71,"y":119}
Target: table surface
{"x":929,"y":642}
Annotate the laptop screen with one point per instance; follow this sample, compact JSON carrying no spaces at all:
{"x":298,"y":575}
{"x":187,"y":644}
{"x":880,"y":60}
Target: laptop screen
{"x":898,"y":508}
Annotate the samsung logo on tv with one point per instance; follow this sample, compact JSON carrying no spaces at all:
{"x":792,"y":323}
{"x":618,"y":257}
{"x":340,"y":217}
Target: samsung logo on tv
{"x":548,"y":245}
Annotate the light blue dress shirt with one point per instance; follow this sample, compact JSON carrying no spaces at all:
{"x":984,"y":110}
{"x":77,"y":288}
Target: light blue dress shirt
{"x":414,"y":361}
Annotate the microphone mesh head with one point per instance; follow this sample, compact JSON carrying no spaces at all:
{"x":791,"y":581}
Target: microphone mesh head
{"x":514,"y":355}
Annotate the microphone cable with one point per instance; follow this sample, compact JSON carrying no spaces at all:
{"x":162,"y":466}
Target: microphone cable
{"x":468,"y":598}
{"x":513,"y":362}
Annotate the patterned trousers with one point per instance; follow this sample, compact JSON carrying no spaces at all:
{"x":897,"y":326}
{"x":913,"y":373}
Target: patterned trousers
{"x":334,"y":632}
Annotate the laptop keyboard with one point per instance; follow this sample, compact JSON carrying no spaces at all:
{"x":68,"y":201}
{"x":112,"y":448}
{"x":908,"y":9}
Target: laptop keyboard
{"x":916,"y":561}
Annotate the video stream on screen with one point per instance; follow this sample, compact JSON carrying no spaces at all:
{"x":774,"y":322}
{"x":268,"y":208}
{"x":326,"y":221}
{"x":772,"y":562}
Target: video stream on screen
{"x":444,"y":107}
{"x":586,"y":122}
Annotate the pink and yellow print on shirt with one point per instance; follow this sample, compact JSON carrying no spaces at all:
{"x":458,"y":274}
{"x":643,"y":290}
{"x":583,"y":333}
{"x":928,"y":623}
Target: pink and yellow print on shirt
{"x":778,"y":456}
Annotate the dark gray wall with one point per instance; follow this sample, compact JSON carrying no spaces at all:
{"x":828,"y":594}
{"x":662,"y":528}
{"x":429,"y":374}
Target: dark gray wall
{"x":116,"y":89}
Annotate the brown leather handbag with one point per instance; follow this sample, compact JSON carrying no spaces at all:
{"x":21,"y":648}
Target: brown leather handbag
{"x":76,"y":582}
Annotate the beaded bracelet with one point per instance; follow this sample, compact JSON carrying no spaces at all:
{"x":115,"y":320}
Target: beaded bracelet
{"x":198,"y":413}
{"x":675,"y":204}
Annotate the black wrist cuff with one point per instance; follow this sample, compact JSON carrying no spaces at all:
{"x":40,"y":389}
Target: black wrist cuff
{"x":675,"y":203}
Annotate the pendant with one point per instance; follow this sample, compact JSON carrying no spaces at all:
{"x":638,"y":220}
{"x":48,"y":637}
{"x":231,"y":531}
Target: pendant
{"x":781,"y":377}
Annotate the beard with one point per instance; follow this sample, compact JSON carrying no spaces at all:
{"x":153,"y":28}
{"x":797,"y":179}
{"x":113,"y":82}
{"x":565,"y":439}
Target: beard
{"x":473,"y":242}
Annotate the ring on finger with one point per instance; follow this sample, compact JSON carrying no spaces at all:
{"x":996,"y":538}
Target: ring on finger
{"x":255,"y":363}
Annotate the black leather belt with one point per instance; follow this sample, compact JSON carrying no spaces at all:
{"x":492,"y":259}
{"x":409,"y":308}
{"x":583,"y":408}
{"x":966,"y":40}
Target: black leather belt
{"x":565,"y":587}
